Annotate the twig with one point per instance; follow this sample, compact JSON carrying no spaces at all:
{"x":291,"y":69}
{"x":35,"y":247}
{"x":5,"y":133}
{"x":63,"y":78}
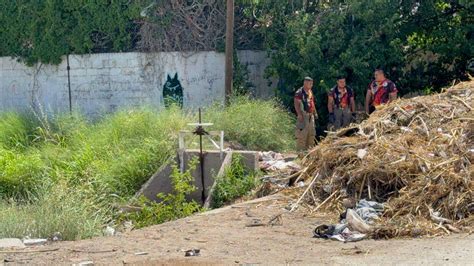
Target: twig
{"x":362,"y":187}
{"x":93,"y":251}
{"x":301,"y":174}
{"x":276,"y":220}
{"x":461,"y":100}
{"x":325,"y":201}
{"x":444,"y":228}
{"x":306,"y":191}
{"x":28,"y":251}
{"x":292,"y":175}
{"x":368,"y":188}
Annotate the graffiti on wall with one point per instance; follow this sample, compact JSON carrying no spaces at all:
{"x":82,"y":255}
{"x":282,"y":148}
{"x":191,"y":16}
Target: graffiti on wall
{"x":173,"y":91}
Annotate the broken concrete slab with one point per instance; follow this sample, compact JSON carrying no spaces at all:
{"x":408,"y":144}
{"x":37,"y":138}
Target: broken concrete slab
{"x":160,"y":182}
{"x":11,"y":243}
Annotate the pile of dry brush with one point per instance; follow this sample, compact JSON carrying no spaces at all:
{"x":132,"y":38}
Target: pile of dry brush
{"x":415,"y":155}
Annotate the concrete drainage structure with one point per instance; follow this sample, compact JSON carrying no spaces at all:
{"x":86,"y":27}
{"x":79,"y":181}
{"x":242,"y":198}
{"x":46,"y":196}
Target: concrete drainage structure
{"x":214,"y":166}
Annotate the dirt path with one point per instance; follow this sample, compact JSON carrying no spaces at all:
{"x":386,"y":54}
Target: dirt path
{"x":223,"y":237}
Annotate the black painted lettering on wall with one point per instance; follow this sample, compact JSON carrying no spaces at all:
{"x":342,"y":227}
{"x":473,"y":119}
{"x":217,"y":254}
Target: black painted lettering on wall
{"x":173,"y":91}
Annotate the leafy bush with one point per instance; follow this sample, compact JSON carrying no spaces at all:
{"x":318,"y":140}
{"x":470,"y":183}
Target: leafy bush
{"x":236,"y":182}
{"x":173,"y":206}
{"x":255,"y":124}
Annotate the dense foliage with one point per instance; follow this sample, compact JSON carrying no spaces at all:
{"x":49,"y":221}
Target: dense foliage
{"x":43,"y":31}
{"x":420,"y":44}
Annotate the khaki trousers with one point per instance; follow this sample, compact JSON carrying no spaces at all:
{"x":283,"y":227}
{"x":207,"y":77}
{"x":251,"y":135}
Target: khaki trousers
{"x":305,"y":133}
{"x":342,"y":118}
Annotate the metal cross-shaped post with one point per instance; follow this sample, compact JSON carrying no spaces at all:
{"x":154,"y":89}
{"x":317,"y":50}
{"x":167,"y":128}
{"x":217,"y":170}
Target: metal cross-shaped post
{"x":201,"y":132}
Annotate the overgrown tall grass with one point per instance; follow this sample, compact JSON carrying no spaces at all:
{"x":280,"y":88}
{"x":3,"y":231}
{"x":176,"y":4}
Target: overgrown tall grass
{"x":255,"y":124}
{"x":59,"y":211}
{"x":63,"y":173}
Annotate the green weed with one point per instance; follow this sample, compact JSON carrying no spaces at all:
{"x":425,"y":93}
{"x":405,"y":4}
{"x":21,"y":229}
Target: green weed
{"x":236,"y":182}
{"x":172,"y":206}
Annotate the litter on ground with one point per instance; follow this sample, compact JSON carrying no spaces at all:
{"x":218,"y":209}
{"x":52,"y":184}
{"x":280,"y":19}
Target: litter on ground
{"x":413,"y":155}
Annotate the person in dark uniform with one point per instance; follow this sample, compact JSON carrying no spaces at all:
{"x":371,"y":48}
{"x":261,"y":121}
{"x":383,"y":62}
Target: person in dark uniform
{"x":381,"y":91}
{"x":306,"y":112}
{"x":341,"y":104}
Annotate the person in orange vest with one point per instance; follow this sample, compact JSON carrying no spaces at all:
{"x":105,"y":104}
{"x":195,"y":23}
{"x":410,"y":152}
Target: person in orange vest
{"x":341,"y":104}
{"x":381,"y":91}
{"x":306,"y":111}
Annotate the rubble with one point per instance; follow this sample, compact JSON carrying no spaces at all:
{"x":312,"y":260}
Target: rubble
{"x":414,"y":155}
{"x":272,"y":161}
{"x":280,"y":172}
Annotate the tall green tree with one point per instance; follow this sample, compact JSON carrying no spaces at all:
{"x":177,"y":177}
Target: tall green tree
{"x":35,"y":30}
{"x":420,"y":44}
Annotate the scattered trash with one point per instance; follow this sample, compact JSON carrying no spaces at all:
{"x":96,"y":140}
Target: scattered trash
{"x":272,"y":161}
{"x":270,"y":156}
{"x":109,"y":231}
{"x":33,"y":242}
{"x":414,"y":154}
{"x":85,"y":263}
{"x":354,"y":225}
{"x":192,"y":253}
{"x":56,"y":236}
{"x":141,"y":253}
{"x":281,"y":172}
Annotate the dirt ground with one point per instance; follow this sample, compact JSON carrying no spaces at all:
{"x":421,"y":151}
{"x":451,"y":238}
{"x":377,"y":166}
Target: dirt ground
{"x":225,"y":237}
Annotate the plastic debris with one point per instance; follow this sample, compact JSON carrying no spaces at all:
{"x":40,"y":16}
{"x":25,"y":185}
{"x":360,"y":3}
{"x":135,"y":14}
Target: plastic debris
{"x":192,"y":253}
{"x":354,"y":224}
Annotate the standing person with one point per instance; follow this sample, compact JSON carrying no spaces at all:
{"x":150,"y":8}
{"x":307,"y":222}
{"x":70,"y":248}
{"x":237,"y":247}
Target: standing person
{"x":341,"y":104}
{"x":306,"y":112}
{"x":381,"y":91}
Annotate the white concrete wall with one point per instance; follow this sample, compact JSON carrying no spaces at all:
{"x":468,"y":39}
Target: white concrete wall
{"x":257,"y":62}
{"x":102,"y":83}
{"x":108,"y":82}
{"x":23,"y":87}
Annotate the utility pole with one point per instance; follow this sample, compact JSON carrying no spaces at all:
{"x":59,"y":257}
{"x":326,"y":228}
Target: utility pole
{"x":229,"y":49}
{"x":69,"y":83}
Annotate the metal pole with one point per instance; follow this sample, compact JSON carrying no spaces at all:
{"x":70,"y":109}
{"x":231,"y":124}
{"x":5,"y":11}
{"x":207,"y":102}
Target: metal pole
{"x":201,"y":162}
{"x":229,"y":49}
{"x":69,"y":84}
